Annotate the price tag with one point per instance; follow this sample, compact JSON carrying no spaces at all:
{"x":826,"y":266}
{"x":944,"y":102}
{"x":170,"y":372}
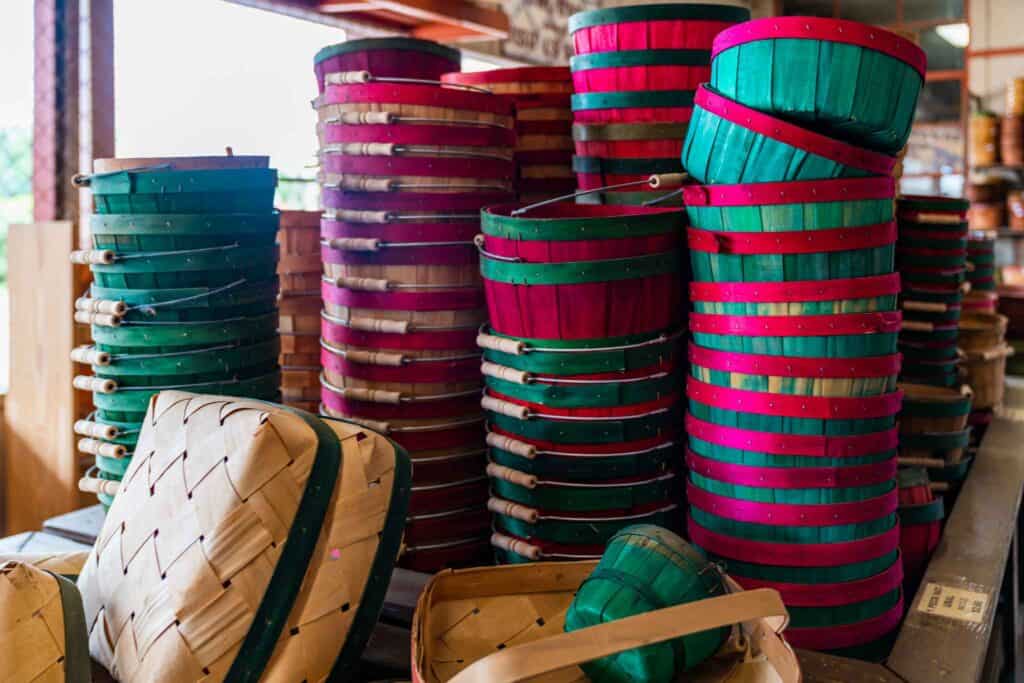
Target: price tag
{"x":953,"y":603}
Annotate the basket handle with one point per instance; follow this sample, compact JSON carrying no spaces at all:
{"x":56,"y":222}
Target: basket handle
{"x":508,"y":374}
{"x":529,"y":660}
{"x":512,"y":347}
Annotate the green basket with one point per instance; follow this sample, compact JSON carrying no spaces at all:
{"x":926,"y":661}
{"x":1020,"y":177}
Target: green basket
{"x":580,"y":356}
{"x":158,"y":190}
{"x":161,"y":338}
{"x":588,"y":393}
{"x":788,"y":425}
{"x":214,"y":267}
{"x":584,"y":529}
{"x":226,"y":358}
{"x":825,"y":74}
{"x":855,"y":571}
{"x":240,"y":293}
{"x":597,"y":431}
{"x":570,"y":496}
{"x":591,"y":467}
{"x":125,"y":233}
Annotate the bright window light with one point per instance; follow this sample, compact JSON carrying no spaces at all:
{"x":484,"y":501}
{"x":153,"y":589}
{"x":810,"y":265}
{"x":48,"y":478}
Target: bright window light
{"x":957,"y":35}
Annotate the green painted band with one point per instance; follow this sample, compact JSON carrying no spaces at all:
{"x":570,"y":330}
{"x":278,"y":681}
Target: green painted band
{"x":951,"y":473}
{"x":924,"y":513}
{"x":115,"y":467}
{"x":946,"y":408}
{"x":582,"y":362}
{"x":955,"y":261}
{"x":77,"y":664}
{"x":604,"y":394}
{"x":614,"y":132}
{"x":632,"y":98}
{"x":580,"y":229}
{"x":582,"y":345}
{"x":585,"y":530}
{"x":586,"y":498}
{"x":236,"y":257}
{"x":579,"y":272}
{"x":625,"y":166}
{"x":936,"y":441}
{"x":630,"y":198}
{"x":604,"y":60}
{"x":582,"y":432}
{"x":197,"y":297}
{"x":272,"y":613}
{"x":184,"y":224}
{"x":932,"y":243}
{"x":137,"y":401}
{"x":144,"y":337}
{"x":196,"y":362}
{"x":590,"y":468}
{"x":166,"y":182}
{"x":366,"y":44}
{"x":665,"y":12}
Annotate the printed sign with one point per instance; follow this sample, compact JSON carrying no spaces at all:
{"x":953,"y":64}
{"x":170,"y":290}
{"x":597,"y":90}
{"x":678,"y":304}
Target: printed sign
{"x":953,"y":603}
{"x":538,"y":29}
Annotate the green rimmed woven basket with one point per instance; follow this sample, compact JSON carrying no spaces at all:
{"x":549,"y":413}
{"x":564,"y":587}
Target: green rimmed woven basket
{"x":572,"y":496}
{"x":582,"y":466}
{"x":211,"y":267}
{"x":159,"y":191}
{"x":126,"y":233}
{"x":162,"y":338}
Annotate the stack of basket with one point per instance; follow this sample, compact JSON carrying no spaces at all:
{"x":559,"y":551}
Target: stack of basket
{"x":793,"y":366}
{"x":921,"y":513}
{"x":635,"y":72}
{"x":299,"y":271}
{"x":984,"y":135}
{"x":582,"y":371}
{"x":934,"y":434}
{"x":983,"y":342}
{"x":932,"y":260}
{"x":1011,"y":131}
{"x":543,"y":148}
{"x":405,"y":168}
{"x":184,"y":293}
{"x":981,"y":273}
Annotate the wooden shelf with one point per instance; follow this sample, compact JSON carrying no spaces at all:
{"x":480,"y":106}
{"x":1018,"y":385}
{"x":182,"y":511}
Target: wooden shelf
{"x":440,"y":20}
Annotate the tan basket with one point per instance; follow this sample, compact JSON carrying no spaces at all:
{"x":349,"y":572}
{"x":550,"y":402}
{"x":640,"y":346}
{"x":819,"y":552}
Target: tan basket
{"x":299,"y":314}
{"x":984,"y":140}
{"x":299,"y":238}
{"x":1011,"y":140}
{"x":505,"y":625}
{"x":986,"y":216}
{"x":986,"y":372}
{"x":1015,"y":97}
{"x":67,"y":564}
{"x":917,"y":424}
{"x":43,"y":627}
{"x":221,"y":495}
{"x":980,"y":331}
{"x":1015,"y":210}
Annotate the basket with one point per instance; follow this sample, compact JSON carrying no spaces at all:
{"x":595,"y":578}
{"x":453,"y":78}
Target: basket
{"x":986,"y":373}
{"x":921,"y":514}
{"x":980,"y":331}
{"x":387,"y":57}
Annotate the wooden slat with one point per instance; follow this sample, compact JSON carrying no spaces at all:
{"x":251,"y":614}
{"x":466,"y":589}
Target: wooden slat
{"x":42,"y":469}
{"x":436,"y":19}
{"x":972,"y":555}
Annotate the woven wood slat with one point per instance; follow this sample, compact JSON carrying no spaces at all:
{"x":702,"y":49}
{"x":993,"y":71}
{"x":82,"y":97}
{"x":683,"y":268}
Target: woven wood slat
{"x":68,"y":564}
{"x":198,"y":526}
{"x":31,"y":625}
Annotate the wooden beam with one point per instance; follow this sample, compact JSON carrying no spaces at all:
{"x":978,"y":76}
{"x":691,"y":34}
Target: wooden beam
{"x":1012,"y":51}
{"x":474,"y":19}
{"x":945,"y":75}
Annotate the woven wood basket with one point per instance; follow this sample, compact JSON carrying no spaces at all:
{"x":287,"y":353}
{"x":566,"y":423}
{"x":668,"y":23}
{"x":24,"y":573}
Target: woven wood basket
{"x":224,"y":496}
{"x":921,"y":513}
{"x":387,"y":57}
{"x":986,"y":373}
{"x":984,"y":139}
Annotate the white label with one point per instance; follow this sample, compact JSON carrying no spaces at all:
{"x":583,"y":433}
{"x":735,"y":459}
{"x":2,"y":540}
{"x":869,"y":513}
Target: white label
{"x":953,"y":603}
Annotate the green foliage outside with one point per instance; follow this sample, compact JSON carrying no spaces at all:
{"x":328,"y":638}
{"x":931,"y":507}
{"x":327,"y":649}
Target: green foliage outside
{"x":15,"y":185}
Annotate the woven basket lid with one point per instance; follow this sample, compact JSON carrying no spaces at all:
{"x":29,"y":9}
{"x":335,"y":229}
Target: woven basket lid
{"x":246,"y":540}
{"x":42,"y":627}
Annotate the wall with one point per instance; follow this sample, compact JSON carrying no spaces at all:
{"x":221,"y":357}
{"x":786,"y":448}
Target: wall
{"x":995,"y":26}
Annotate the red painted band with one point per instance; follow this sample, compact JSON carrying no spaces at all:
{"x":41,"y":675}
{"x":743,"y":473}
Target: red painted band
{"x":444,"y":340}
{"x":418,"y":166}
{"x":539,"y":251}
{"x":793,"y":241}
{"x":455,"y":231}
{"x":786,"y":405}
{"x":795,"y":554}
{"x":832,"y":30}
{"x":412,"y":202}
{"x":446,"y":255}
{"x":803,"y":445}
{"x":517,"y":74}
{"x":466,"y":370}
{"x":788,"y":514}
{"x":449,"y":300}
{"x":787,"y":133}
{"x":785,"y":366}
{"x":797,"y":291}
{"x":797,"y":325}
{"x":846,"y":635}
{"x":917,"y":251}
{"x":416,"y":134}
{"x":831,"y":594}
{"x":792,"y":477}
{"x":795,"y":192}
{"x":445,"y":409}
{"x":928,"y":234}
{"x":415,"y":94}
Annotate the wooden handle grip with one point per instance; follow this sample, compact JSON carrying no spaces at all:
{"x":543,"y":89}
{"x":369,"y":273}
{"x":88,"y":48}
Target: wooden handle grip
{"x":505,"y":373}
{"x":925,"y":306}
{"x":506,"y":507}
{"x":1004,"y":351}
{"x":93,"y":257}
{"x":379,"y":325}
{"x":510,"y":346}
{"x":93,"y":485}
{"x":345,"y":77}
{"x":362,"y":183}
{"x":508,"y":474}
{"x":367,"y":149}
{"x":351,"y":216}
{"x":354,"y":243}
{"x":97,"y":447}
{"x":375,"y":425}
{"x":393,"y":360}
{"x":367,"y":284}
{"x":939,"y":486}
{"x":358,"y":118}
{"x":373,"y":395}
{"x":917,"y":326}
{"x":966,"y":286}
{"x":933,"y":463}
{"x":84,"y":303}
{"x":505,"y":408}
{"x":95,"y":430}
{"x":89,"y":356}
{"x":101,"y":319}
{"x":667,"y":180}
{"x":98,"y":384}
{"x":514,"y":545}
{"x":520,"y":448}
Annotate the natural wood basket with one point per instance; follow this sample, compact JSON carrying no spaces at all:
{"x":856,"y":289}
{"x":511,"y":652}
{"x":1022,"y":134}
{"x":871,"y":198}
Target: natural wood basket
{"x":918,"y":424}
{"x":984,"y":140}
{"x":327,"y":113}
{"x":428,"y":184}
{"x":442,"y":320}
{"x":980,"y":331}
{"x":417,"y":278}
{"x":986,"y":372}
{"x":299,"y":239}
{"x":227,"y":162}
{"x":299,"y":313}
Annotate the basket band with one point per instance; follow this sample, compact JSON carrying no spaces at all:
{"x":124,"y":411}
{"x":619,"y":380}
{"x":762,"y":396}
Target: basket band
{"x":449,"y":407}
{"x":923,"y":513}
{"x":785,"y":366}
{"x":796,"y":192}
{"x":413,"y":255}
{"x":629,"y":99}
{"x":629,"y":166}
{"x":792,"y":477}
{"x":233,"y":225}
{"x":416,"y":134}
{"x":664,"y":12}
{"x":420,"y":166}
{"x":795,"y":554}
{"x":573,"y":222}
{"x":788,"y":405}
{"x":440,"y":340}
{"x":797,"y":291}
{"x":792,"y":241}
{"x":442,"y":370}
{"x":797,"y":325}
{"x":334,"y":198}
{"x":795,"y":136}
{"x":626,"y":58}
{"x":579,"y":272}
{"x":803,"y":445}
{"x":607,"y":394}
{"x":618,"y":132}
{"x":398,"y":44}
{"x":401,"y":232}
{"x":787,"y":514}
{"x":162,"y":181}
{"x":831,"y":594}
{"x":416,"y":94}
{"x":937,"y":441}
{"x":846,"y":635}
{"x":825,"y":30}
